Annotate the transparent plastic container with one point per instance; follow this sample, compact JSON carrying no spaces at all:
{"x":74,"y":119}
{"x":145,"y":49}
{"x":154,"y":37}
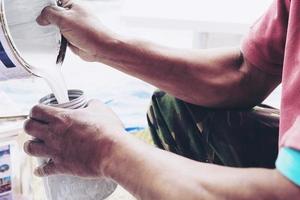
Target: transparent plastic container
{"x":63,"y":187}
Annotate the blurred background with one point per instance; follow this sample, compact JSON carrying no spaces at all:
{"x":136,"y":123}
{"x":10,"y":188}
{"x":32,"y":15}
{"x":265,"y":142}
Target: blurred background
{"x":174,"y":23}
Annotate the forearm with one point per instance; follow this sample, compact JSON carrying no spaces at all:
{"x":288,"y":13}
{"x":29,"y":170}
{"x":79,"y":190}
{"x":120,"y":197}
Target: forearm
{"x":215,"y":77}
{"x":150,"y":173}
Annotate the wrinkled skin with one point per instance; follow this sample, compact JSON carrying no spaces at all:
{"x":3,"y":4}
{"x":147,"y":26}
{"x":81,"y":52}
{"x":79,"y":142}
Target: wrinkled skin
{"x":77,"y":141}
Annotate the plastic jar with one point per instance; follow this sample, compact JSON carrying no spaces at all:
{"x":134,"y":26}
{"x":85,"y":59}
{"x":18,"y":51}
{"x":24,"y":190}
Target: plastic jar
{"x":63,"y":187}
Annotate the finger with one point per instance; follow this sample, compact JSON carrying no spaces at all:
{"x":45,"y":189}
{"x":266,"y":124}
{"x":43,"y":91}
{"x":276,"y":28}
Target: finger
{"x":36,"y":129}
{"x":51,"y":15}
{"x":47,"y":169}
{"x":37,"y":149}
{"x":44,"y":114}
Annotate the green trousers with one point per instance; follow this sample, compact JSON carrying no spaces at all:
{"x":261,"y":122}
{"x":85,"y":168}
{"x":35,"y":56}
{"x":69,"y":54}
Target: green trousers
{"x":230,"y":137}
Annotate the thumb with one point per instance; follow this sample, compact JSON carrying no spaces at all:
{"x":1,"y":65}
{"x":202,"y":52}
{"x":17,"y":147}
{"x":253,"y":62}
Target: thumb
{"x":46,"y":169}
{"x":51,"y":15}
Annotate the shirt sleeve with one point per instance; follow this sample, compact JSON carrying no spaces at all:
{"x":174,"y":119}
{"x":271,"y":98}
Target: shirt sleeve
{"x":288,"y":164}
{"x":264,"y":45}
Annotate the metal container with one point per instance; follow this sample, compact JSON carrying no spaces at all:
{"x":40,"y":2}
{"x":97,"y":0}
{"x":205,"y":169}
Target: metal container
{"x":20,"y":34}
{"x":63,"y":187}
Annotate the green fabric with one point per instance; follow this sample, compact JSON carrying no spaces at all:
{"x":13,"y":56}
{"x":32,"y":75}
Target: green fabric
{"x":231,"y":137}
{"x":288,"y":163}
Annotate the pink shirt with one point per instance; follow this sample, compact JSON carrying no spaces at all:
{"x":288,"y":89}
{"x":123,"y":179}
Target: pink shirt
{"x":273,"y":46}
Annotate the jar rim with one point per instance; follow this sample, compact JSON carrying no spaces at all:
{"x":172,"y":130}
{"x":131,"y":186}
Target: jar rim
{"x":77,"y":100}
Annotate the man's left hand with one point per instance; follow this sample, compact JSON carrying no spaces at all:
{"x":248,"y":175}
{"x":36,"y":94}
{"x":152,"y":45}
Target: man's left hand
{"x":76,"y":141}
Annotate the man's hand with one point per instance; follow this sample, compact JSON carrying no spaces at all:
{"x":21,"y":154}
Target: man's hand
{"x":83,"y":30}
{"x":77,"y":141}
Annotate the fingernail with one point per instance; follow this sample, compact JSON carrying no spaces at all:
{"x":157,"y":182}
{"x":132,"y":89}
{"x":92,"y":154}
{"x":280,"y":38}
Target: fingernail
{"x":26,"y":147}
{"x":41,"y":21}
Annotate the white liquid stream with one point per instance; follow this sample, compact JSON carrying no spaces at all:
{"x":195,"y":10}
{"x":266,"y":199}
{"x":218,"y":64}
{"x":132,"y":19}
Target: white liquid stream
{"x":37,"y":44}
{"x":52,"y":74}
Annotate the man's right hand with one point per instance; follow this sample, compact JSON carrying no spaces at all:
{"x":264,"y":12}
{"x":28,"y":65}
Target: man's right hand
{"x":82,"y":29}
